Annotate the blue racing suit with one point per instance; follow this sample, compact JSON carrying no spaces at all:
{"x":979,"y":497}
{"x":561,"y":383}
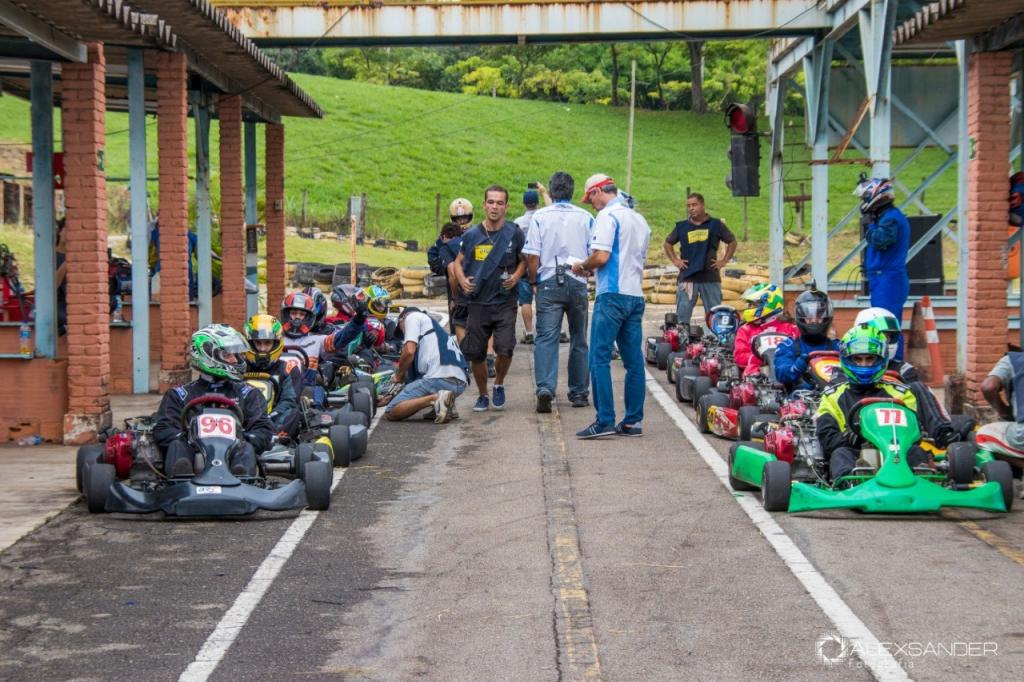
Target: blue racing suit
{"x":885,"y":262}
{"x":791,"y":361}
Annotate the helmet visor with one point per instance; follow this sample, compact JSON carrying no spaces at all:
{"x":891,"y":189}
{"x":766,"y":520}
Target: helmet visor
{"x":814,"y":311}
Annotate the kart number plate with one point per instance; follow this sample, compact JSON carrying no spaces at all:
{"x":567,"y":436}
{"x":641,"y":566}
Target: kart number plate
{"x":891,"y":417}
{"x":770,"y":341}
{"x":216,"y":426}
{"x":208,"y":490}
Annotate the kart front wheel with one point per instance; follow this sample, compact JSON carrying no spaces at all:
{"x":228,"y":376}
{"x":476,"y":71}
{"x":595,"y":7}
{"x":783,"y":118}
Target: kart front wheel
{"x":318,"y":478}
{"x":303,"y":454}
{"x":358,"y":437}
{"x":776,"y":485}
{"x":708,"y":400}
{"x":362,"y":401}
{"x":735,"y":483}
{"x":670,"y":367}
{"x":748,"y":415}
{"x":961,"y":458}
{"x":350,"y":419}
{"x":86,"y":457}
{"x":661,"y":352}
{"x":701,"y":385}
{"x":682,"y":372}
{"x":341,"y":443}
{"x":1000,"y":472}
{"x":97,"y":481}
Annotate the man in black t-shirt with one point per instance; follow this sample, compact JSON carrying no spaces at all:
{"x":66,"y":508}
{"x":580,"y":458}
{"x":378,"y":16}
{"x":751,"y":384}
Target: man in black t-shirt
{"x":699,"y":266}
{"x":488,"y":268}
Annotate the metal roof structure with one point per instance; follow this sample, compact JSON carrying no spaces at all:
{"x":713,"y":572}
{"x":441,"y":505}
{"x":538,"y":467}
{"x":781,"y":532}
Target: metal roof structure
{"x":992,"y":24}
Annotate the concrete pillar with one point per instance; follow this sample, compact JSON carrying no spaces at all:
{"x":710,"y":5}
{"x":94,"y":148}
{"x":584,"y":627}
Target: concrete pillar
{"x":988,"y":124}
{"x":232,"y":210}
{"x":275,"y":216}
{"x":85,"y":196}
{"x":172,"y":142}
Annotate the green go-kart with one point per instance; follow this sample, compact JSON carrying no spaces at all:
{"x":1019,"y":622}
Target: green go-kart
{"x":882,"y":481}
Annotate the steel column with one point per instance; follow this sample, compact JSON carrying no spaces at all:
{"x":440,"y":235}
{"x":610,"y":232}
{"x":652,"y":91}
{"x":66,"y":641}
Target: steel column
{"x":201,"y":114}
{"x":251,"y":258}
{"x":43,"y":223}
{"x":776,"y":220}
{"x":963,"y":252}
{"x":876,"y":27}
{"x":817,"y":74}
{"x":138,"y":219}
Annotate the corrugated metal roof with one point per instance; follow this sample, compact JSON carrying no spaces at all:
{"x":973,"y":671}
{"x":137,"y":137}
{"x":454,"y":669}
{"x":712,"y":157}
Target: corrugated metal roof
{"x":955,"y":20}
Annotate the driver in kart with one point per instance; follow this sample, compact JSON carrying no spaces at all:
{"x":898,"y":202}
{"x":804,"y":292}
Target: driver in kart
{"x":216,"y":352}
{"x":863,"y":356}
{"x":263,"y":332}
{"x":764,"y":307}
{"x":814,"y":319}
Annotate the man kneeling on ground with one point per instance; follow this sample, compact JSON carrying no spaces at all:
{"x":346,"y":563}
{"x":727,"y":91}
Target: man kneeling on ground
{"x":433,"y":369}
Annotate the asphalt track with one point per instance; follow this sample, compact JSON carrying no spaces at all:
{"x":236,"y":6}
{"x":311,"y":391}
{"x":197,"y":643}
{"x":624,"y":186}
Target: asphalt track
{"x":500,"y":548}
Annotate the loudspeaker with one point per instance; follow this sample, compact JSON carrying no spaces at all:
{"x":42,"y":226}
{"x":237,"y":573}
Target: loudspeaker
{"x":925,"y":269}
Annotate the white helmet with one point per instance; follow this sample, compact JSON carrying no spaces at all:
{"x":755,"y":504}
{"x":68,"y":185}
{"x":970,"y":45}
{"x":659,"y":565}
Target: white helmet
{"x":885,"y":322}
{"x":460,"y":208}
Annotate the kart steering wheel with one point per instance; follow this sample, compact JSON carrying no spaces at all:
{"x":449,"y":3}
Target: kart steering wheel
{"x":211,"y":399}
{"x":854,"y":422}
{"x":815,"y":354}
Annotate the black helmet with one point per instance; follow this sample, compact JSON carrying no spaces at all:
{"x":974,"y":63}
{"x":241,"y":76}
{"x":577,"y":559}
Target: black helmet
{"x":814,"y":314}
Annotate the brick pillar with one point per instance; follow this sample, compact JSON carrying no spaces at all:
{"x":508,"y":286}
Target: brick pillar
{"x":83,"y":112}
{"x":275,"y":217}
{"x":988,"y":122}
{"x":232,"y":210}
{"x":172,"y":141}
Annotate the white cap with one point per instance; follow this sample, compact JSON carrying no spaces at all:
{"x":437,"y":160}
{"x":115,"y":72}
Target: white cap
{"x":595,"y":181}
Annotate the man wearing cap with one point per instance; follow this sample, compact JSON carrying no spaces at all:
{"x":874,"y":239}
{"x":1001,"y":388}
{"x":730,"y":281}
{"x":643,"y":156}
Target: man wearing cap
{"x":618,"y":249}
{"x":531,"y":199}
{"x":699,"y":266}
{"x":559,"y":236}
{"x":488,"y":269}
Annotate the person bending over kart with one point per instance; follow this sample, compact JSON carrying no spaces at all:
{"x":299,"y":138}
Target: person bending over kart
{"x":792,"y":357}
{"x":863,"y":356}
{"x":764,"y":306}
{"x":216,"y":352}
{"x":935,"y":421}
{"x":263,"y":332}
{"x":1005,"y":439}
{"x":433,"y":368}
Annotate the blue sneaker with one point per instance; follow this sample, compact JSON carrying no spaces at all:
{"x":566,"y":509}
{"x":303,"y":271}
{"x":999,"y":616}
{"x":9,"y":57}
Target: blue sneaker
{"x":498,"y":397}
{"x":482,"y":404}
{"x":595,"y":430}
{"x":632,"y":431}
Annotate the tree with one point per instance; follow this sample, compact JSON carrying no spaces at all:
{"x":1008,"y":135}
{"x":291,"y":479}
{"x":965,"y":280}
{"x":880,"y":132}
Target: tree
{"x":615,"y":75}
{"x":697,"y":103}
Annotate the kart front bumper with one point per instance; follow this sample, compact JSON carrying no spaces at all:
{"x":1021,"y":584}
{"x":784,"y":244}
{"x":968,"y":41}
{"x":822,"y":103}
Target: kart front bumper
{"x":872,"y":497}
{"x":185,"y":498}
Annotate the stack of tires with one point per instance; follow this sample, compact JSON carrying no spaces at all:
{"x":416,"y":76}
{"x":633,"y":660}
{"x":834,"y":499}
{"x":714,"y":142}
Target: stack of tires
{"x":388,"y":278}
{"x":411,"y":280}
{"x":737,"y":280}
{"x":435,"y":286}
{"x":660,"y":285}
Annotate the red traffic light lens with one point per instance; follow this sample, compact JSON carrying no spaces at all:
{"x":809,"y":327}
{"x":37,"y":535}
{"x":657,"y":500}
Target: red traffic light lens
{"x":740,"y":119}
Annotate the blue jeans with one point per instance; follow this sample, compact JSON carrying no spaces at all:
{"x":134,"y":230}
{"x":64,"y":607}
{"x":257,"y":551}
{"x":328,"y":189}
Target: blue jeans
{"x":618,"y":319}
{"x":421,"y":388}
{"x":554,"y":301}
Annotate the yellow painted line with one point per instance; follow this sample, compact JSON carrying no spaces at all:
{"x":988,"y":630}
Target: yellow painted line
{"x":991,"y":539}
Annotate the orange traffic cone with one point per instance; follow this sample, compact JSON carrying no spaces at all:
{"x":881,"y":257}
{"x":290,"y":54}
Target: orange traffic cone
{"x":937,"y":375}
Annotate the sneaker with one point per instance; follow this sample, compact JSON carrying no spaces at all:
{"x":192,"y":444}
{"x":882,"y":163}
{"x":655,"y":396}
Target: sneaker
{"x":498,"y":397}
{"x":443,"y":405}
{"x":630,"y":431}
{"x":453,"y":414}
{"x":528,"y":339}
{"x":544,"y":403}
{"x":595,"y":430}
{"x":563,"y":338}
{"x":430,"y":415}
{"x":482,"y":404}
{"x":579,"y":401}
{"x":491,"y":371}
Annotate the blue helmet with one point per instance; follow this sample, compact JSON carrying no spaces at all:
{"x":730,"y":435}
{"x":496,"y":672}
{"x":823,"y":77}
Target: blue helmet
{"x":862,"y":341}
{"x":723,"y":321}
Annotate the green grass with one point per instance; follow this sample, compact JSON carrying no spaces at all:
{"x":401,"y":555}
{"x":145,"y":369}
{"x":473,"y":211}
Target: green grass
{"x":402,"y":147}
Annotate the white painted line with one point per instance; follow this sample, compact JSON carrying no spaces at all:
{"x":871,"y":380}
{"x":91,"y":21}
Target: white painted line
{"x":881,"y":663}
{"x":223,"y":636}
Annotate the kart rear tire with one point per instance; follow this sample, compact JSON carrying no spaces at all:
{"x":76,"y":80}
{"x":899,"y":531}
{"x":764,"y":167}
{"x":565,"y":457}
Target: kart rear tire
{"x":735,"y":483}
{"x":1000,"y":472}
{"x":318,"y":478}
{"x":962,"y":424}
{"x":341,"y":443}
{"x":361,"y":401}
{"x":661,"y":352}
{"x":358,"y":437}
{"x":748,"y":414}
{"x":350,"y":418}
{"x":303,"y":454}
{"x":961,"y":457}
{"x":776,"y":486}
{"x":711,"y":398}
{"x":368,"y":383}
{"x":670,"y":367}
{"x":97,"y":481}
{"x":86,"y":457}
{"x":684,"y":372}
{"x":701,"y":385}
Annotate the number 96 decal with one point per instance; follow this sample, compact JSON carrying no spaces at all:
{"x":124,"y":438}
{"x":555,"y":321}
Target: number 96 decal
{"x":216,"y":426}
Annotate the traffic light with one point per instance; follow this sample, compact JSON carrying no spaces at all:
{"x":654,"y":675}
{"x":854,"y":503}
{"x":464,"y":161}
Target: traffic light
{"x":744,"y":151}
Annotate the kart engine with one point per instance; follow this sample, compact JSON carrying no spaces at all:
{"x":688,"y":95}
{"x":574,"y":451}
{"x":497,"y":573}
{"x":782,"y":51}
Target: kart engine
{"x":793,"y":409}
{"x":671,"y":337}
{"x":781,"y":442}
{"x":120,"y":451}
{"x":742,"y":394}
{"x":694,"y":350}
{"x":710,"y":367}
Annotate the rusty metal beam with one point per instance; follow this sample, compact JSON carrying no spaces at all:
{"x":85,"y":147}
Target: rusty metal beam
{"x":429,"y":23}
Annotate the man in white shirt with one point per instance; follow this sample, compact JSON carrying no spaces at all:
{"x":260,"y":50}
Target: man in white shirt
{"x":559,"y":236}
{"x":618,"y":249}
{"x":433,"y":369}
{"x":531,"y":199}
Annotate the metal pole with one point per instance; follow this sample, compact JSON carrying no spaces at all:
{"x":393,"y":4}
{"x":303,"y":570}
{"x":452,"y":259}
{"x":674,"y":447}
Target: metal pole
{"x":138,"y":219}
{"x":204,"y":210}
{"x":876,"y":26}
{"x":42,"y":209}
{"x":963,"y":159}
{"x":437,"y":214}
{"x":746,"y":220}
{"x":632,"y":112}
{"x":251,"y":257}
{"x":776,"y":227}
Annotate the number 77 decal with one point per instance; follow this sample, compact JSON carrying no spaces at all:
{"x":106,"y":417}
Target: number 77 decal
{"x":891,"y":417}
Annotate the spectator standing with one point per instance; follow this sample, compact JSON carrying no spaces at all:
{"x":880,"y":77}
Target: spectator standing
{"x":559,"y":235}
{"x":618,"y":249}
{"x":460,"y":211}
{"x":531,"y":199}
{"x":488,"y":268}
{"x":699,"y":237}
{"x":439,"y":257}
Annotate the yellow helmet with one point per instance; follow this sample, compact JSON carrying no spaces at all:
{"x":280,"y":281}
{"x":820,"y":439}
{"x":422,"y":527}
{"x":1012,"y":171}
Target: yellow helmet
{"x":763,"y":302}
{"x":461,"y":209}
{"x":263,"y":328}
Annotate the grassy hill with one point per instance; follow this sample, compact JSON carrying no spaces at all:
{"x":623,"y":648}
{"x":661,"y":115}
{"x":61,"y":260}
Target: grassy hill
{"x":402,"y":147}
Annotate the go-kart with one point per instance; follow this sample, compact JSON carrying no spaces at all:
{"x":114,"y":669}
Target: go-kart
{"x":212,"y":423}
{"x":657,"y":349}
{"x":706,"y":355}
{"x":882,"y":480}
{"x":793,"y":427}
{"x":735,"y":405}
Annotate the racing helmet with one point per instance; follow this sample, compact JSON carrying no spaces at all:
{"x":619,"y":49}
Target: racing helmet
{"x":864,"y":355}
{"x":301,"y":325}
{"x":341,"y":296}
{"x":723,"y":321}
{"x":209,"y":348}
{"x":764,"y":301}
{"x":885,"y":322}
{"x":813,"y":314}
{"x":378,"y":301}
{"x":461,"y":212}
{"x":319,"y":305}
{"x":263,"y":328}
{"x":873,"y":193}
{"x":375,"y":332}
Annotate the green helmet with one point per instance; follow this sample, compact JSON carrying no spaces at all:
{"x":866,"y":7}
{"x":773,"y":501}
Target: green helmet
{"x":209,"y":347}
{"x":863,"y":340}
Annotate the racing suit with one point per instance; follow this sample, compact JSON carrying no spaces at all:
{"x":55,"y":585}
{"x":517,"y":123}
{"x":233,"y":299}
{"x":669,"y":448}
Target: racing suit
{"x":838,"y":442}
{"x":257,"y":429}
{"x":742,"y":350}
{"x":284,"y":413}
{"x":321,"y":346}
{"x":792,"y":361}
{"x":885,"y":260}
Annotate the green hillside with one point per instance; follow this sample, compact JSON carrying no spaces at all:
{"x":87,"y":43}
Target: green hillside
{"x":402,"y":146}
